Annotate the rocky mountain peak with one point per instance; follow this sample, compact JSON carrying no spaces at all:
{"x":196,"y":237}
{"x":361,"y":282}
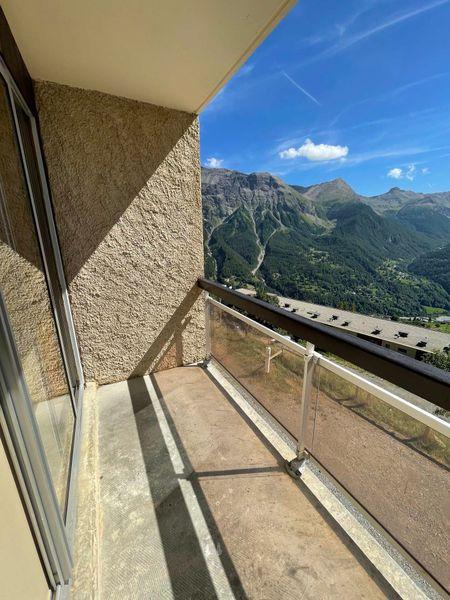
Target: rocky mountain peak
{"x":330,"y":190}
{"x":260,"y":179}
{"x":324,"y":243}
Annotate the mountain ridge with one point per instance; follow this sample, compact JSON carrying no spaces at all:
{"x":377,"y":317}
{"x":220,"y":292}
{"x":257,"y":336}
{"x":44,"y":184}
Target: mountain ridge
{"x":392,"y":199}
{"x":323,"y":242}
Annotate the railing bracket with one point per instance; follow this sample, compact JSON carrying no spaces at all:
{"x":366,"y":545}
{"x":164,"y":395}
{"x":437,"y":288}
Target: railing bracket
{"x":294,"y":467}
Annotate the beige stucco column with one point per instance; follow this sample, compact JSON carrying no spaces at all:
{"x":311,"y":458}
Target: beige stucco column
{"x":125,"y":183}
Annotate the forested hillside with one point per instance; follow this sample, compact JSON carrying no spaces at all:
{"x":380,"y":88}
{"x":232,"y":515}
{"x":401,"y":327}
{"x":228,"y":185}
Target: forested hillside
{"x":434,"y":265}
{"x":325,"y":243}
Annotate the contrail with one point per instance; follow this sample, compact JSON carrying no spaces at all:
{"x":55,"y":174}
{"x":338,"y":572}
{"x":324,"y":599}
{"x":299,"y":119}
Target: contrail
{"x":299,"y":87}
{"x":399,"y":18}
{"x":359,"y":37}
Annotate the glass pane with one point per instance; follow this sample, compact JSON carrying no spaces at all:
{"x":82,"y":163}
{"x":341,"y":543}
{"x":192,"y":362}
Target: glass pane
{"x":270,"y":372}
{"x":25,"y":292}
{"x":33,"y":173}
{"x":395,"y":466}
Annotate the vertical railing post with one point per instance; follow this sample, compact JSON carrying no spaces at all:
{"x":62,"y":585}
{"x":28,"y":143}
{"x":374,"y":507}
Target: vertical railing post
{"x":308,"y":371}
{"x":207,"y":328}
{"x":267,"y":361}
{"x":294,"y":466}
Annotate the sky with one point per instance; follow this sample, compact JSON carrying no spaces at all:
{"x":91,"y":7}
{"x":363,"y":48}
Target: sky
{"x":357,"y":89}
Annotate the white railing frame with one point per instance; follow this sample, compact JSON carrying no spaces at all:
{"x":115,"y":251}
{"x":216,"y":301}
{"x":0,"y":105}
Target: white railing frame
{"x":207,"y":309}
{"x":308,"y":372}
{"x":289,"y":344}
{"x":308,"y":353}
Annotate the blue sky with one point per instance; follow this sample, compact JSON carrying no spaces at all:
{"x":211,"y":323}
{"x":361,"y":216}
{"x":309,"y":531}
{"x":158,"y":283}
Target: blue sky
{"x":353,"y":89}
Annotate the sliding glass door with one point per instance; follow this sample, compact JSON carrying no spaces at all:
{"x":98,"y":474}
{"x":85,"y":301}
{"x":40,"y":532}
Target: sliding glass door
{"x":26,"y":296}
{"x":41,"y":379}
{"x":58,"y":292}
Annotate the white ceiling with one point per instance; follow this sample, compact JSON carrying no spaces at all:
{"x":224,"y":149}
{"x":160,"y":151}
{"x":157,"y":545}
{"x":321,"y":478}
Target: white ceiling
{"x":175,"y":53}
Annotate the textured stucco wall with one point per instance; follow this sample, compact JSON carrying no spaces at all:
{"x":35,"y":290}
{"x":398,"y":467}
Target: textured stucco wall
{"x":125,"y":183}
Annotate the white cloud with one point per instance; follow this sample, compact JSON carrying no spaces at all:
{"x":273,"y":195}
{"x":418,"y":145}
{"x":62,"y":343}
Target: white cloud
{"x":408,"y":173}
{"x":214,"y":163}
{"x":425,"y":171}
{"x":315,"y":152}
{"x":395,"y":173}
{"x":290,"y":153}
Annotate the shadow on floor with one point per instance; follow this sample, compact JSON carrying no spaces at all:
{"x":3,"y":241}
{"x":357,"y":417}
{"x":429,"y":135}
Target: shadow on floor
{"x":175,"y":487}
{"x":188,"y":570}
{"x":359,"y":555}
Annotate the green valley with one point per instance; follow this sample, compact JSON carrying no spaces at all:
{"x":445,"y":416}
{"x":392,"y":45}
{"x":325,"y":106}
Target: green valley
{"x":326,"y":244}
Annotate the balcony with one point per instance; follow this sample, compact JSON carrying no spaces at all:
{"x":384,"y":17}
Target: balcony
{"x":295,"y":461}
{"x":183,"y":488}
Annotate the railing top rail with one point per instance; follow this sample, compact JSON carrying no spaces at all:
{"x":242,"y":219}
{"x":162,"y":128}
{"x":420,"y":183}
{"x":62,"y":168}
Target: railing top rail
{"x":418,"y":413}
{"x":289,"y":344}
{"x":388,"y":397}
{"x":422,"y":379}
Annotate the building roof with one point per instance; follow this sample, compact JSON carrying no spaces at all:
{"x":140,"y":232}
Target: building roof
{"x":174,"y":53}
{"x":396,"y":332}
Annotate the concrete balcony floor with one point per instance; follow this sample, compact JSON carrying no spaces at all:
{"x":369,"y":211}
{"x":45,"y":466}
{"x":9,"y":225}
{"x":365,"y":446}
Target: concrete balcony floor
{"x":181,"y":497}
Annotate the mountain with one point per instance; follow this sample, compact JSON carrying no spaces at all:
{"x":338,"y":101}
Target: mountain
{"x":224,"y":191}
{"x":242,"y":212}
{"x":427,"y":218}
{"x":336,"y":189}
{"x":396,"y":198}
{"x":393,"y":200}
{"x":324,"y":243}
{"x":421,"y":212}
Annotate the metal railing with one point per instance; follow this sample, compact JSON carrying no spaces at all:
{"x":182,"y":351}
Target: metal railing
{"x":422,"y":379}
{"x":395,"y":463}
{"x":313,"y":358}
